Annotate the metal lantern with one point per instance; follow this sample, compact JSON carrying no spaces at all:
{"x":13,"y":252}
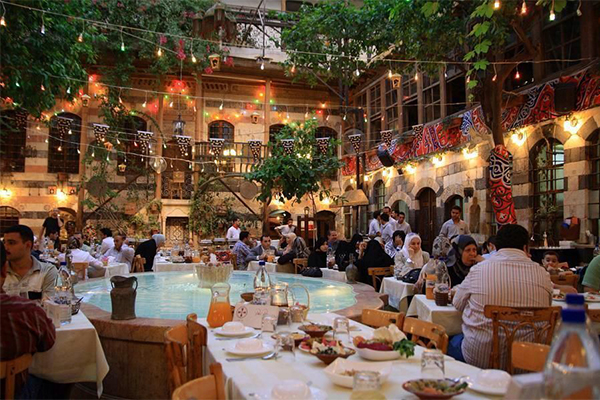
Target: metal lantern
{"x":396,"y":80}
{"x":85,"y":100}
{"x":215,"y":61}
{"x":254,"y":117}
{"x":178,"y":126}
{"x":122,"y":167}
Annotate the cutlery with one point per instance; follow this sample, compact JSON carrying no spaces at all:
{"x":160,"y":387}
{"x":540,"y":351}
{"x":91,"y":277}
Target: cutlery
{"x":267,"y":357}
{"x":239,"y":337}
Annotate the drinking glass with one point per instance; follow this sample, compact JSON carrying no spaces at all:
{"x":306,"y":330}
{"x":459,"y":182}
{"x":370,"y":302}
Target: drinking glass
{"x":285,"y":342}
{"x":432,"y":364}
{"x":340,"y":325}
{"x":268,"y":323}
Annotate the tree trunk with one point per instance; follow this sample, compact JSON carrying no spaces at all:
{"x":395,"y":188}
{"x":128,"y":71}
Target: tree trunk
{"x":496,"y":112}
{"x":265,"y":220}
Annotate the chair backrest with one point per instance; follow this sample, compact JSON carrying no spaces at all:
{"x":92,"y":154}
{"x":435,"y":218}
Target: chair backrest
{"x":567,"y":280}
{"x":530,"y":357}
{"x":9,"y":370}
{"x":197,"y":341}
{"x":211,"y":387}
{"x":379,"y":273}
{"x":233,"y":260}
{"x":377,"y":318}
{"x":80,"y":269}
{"x":138,"y":264}
{"x":299,"y":264}
{"x":426,"y":334}
{"x":508,"y":320}
{"x":594,"y":315}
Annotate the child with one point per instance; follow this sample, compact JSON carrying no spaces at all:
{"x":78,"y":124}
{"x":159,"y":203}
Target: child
{"x":550,"y":262}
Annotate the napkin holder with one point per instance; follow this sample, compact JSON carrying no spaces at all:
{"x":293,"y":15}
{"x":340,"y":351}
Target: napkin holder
{"x":251,"y":314}
{"x":54,"y":311}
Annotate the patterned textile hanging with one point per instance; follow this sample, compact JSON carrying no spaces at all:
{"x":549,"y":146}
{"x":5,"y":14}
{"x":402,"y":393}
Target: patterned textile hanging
{"x":501,"y":185}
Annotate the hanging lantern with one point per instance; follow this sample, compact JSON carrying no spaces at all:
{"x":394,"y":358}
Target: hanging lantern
{"x":255,"y":147}
{"x":355,"y":140}
{"x":85,"y":100}
{"x":288,"y":146}
{"x":159,"y":164}
{"x":254,"y":117}
{"x":386,"y":137}
{"x":396,"y":80}
{"x":122,"y":167}
{"x":184,"y":143}
{"x":323,"y":144}
{"x":215,"y":61}
{"x":178,"y":126}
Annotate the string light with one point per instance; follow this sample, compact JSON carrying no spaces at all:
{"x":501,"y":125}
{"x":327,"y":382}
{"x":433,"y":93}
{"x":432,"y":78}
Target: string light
{"x":262,"y":65}
{"x":416,"y":76}
{"x":578,"y":12}
{"x":59,"y":148}
{"x":357,"y":72}
{"x":43,"y":28}
{"x":495,"y":74}
{"x":496,"y":4}
{"x":293,"y":69}
{"x":517,"y":74}
{"x":552,"y":16}
{"x":159,"y":52}
{"x":389,"y":74}
{"x":42,"y":88}
{"x":122,"y":42}
{"x":3,"y":21}
{"x":194,"y":59}
{"x":69,"y":90}
{"x":221,"y":106}
{"x":523,"y":8}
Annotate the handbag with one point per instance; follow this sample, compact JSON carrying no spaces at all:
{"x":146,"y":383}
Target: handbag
{"x":313,"y":272}
{"x":412,"y":276}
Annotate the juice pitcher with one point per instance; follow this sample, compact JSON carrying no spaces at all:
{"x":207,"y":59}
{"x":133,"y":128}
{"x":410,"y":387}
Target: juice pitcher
{"x":220,"y":308}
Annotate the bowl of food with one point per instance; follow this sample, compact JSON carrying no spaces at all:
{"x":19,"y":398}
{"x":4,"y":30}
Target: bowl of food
{"x":341,"y":372}
{"x":330,"y":350}
{"x":387,"y":343}
{"x":315,"y":330}
{"x":298,"y":337}
{"x":435,"y":388}
{"x":248,"y":296}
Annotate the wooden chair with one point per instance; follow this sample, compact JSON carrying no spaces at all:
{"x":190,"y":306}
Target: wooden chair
{"x":594,"y":315}
{"x":530,"y":357}
{"x":426,"y":334}
{"x":80,"y":269}
{"x":567,"y":280}
{"x":233,"y":261}
{"x":379,"y":273}
{"x":10,"y":369}
{"x":138,"y":264}
{"x":378,"y":318}
{"x":539,"y":321}
{"x":211,"y":387}
{"x":184,"y":350}
{"x":300,"y":264}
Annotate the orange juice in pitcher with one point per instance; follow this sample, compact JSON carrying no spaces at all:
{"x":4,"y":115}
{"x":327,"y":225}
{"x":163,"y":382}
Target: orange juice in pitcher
{"x":220,"y":308}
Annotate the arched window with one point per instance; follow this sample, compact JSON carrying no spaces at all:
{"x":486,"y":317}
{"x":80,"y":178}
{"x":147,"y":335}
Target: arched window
{"x":274,"y":130}
{"x":221,"y":130}
{"x":63,"y":155}
{"x":593,"y":147}
{"x":8,"y":217}
{"x":379,"y":194}
{"x":132,"y":154}
{"x":13,"y":128}
{"x":547,"y":160}
{"x":400,"y":206}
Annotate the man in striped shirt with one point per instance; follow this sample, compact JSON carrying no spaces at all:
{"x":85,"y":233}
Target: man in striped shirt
{"x":508,"y":278}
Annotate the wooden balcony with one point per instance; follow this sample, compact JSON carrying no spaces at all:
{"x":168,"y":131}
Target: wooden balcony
{"x":235,"y":157}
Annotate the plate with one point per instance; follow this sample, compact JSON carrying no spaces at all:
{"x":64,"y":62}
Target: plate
{"x":266,"y":348}
{"x":265,"y":394}
{"x":499,"y":379}
{"x":247,"y":330}
{"x":424,"y":395}
{"x":333,"y":370}
{"x":592,"y":298}
{"x":559,"y":298}
{"x":376,"y":355}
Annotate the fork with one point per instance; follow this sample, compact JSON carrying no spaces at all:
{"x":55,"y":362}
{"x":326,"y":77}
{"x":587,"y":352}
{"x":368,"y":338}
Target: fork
{"x":234,"y":338}
{"x":267,"y":357}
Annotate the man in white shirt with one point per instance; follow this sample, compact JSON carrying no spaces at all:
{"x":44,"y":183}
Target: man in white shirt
{"x":387,"y":229}
{"x":454,"y":226}
{"x":120,"y":251}
{"x":509,"y":278}
{"x":388,"y":210}
{"x":401,"y":224}
{"x":107,"y":240}
{"x":233,"y":233}
{"x":375,"y":225}
{"x":289,"y":227}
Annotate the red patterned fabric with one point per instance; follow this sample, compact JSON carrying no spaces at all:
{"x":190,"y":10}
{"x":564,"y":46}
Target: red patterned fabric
{"x":501,"y":185}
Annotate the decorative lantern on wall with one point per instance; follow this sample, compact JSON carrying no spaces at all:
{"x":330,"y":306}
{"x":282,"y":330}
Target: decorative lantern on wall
{"x":215,"y":61}
{"x":85,"y":100}
{"x":396,"y":80}
{"x":254,"y":117}
{"x":122,"y":167}
{"x":178,"y":126}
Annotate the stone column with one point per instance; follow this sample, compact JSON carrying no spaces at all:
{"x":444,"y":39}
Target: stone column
{"x":82,"y":143}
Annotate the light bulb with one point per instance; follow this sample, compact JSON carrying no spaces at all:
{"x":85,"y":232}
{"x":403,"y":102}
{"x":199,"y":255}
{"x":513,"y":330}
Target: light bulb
{"x":122,"y":46}
{"x":43,"y":29}
{"x":59,"y":148}
{"x":552,"y":15}
{"x":390,"y":74}
{"x":262,"y":66}
{"x":144,"y":104}
{"x":517,"y":75}
{"x":494,"y":78}
{"x":357,"y":72}
{"x":221,"y":106}
{"x":171,"y":104}
{"x":416,"y":76}
{"x":2,"y":21}
{"x":497,"y":4}
{"x":78,"y":151}
{"x":523,"y":8}
{"x":194,"y":60}
{"x":70,"y":132}
{"x":344,"y":117}
{"x":42,"y":88}
{"x":46,"y":140}
{"x":80,"y":38}
{"x":293,"y":70}
{"x":159,"y":52}
{"x":69,"y":90}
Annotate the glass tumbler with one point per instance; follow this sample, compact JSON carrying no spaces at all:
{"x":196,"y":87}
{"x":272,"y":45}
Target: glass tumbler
{"x":268,"y":323}
{"x":341,"y":325}
{"x":432,"y":364}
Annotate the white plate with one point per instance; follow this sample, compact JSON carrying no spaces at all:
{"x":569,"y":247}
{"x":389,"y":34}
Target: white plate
{"x":495,"y":376}
{"x":247,"y":330}
{"x":339,"y":365}
{"x":266,"y":348}
{"x":377,"y":355}
{"x":596,"y":298}
{"x":265,"y":394}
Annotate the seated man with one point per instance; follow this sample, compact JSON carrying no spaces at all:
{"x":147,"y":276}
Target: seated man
{"x":511,"y":279}
{"x":53,"y":237}
{"x":25,"y":272}
{"x":120,"y":251}
{"x":80,"y":256}
{"x":553,"y":266}
{"x":241,"y":250}
{"x":258,"y":253}
{"x":591,"y":279}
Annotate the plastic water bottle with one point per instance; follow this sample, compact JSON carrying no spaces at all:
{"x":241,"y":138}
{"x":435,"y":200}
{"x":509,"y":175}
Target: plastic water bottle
{"x":573,"y":366}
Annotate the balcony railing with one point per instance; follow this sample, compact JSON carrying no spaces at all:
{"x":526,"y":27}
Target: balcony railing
{"x":234,"y":157}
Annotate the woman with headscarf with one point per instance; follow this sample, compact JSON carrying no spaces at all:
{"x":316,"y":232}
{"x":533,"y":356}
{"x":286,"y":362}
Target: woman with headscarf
{"x":148,"y":249}
{"x":465,"y":256}
{"x":410,"y":258}
{"x":296,"y":248}
{"x":317,"y":259}
{"x":395,"y":245}
{"x":372,"y":256}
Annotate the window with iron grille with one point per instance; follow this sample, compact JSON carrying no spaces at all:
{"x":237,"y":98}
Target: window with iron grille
{"x":431,"y":98}
{"x":410,"y":105}
{"x":379,"y":194}
{"x":221,"y":130}
{"x":561,"y":38}
{"x":375,"y":103}
{"x":594,"y":181}
{"x":132,"y":153}
{"x":12,"y":143}
{"x":63,"y":155}
{"x":391,"y":104}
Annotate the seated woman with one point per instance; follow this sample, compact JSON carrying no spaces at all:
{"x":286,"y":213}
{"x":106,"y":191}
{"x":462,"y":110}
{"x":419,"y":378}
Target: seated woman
{"x":465,"y":252}
{"x":371,"y":255}
{"x":317,"y":259}
{"x":296,"y":248}
{"x":395,"y":245}
{"x":410,"y":258}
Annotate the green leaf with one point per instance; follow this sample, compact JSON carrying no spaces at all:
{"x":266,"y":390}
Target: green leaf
{"x":430,"y":8}
{"x":469,"y":56}
{"x":559,"y":5}
{"x":405,"y":347}
{"x":472,"y":83}
{"x":481,"y":65}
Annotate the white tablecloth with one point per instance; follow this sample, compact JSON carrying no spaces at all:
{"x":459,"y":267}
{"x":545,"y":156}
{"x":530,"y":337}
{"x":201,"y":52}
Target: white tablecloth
{"x":116,"y":269}
{"x":334,"y":275}
{"x":76,"y":356}
{"x":254,"y":376}
{"x":270,"y":267}
{"x":397,"y":291}
{"x":169,"y":266}
{"x":425,"y":309}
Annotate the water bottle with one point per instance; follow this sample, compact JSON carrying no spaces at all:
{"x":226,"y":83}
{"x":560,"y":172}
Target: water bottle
{"x":572,"y":369}
{"x":577,"y":301}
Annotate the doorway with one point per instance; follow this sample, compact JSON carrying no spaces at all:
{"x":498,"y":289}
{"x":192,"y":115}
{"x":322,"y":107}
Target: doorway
{"x":325,"y":221}
{"x":455,"y":200}
{"x":426,"y":217}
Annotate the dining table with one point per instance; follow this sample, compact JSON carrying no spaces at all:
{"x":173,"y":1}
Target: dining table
{"x":77,"y":355}
{"x":334,"y":274}
{"x":269,"y":266}
{"x":116,"y":269}
{"x":254,"y":378}
{"x":165,"y":265}
{"x":451,"y":319}
{"x":398,"y":292}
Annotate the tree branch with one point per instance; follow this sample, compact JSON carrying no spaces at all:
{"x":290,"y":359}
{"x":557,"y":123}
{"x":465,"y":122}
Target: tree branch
{"x":533,"y":50}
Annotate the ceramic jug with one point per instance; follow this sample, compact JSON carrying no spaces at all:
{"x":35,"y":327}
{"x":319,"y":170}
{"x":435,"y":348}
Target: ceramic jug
{"x":351,"y":271}
{"x":122,"y":297}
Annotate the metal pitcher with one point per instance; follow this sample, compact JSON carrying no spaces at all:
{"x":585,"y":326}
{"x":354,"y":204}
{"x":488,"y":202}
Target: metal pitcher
{"x":122,"y":297}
